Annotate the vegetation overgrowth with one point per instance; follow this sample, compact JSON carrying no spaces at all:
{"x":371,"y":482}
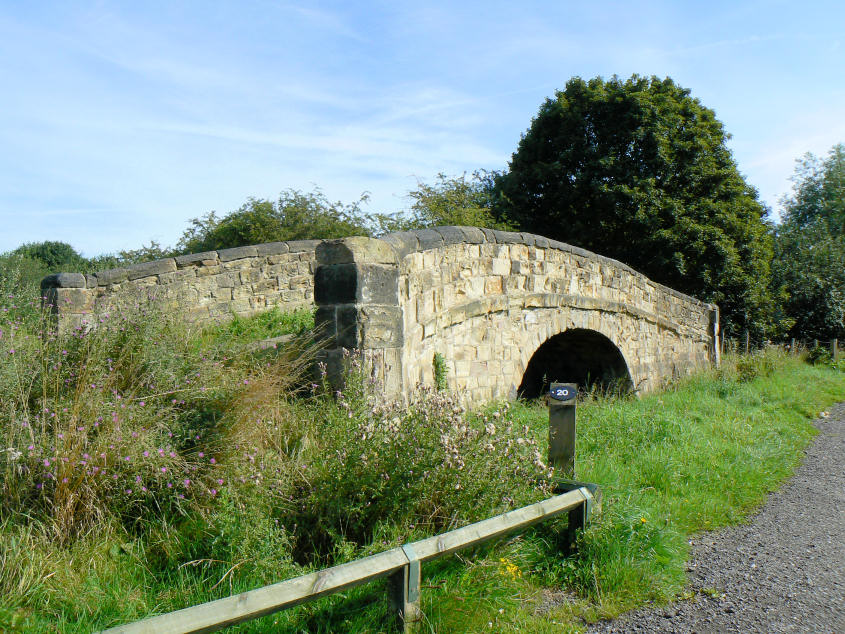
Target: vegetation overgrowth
{"x":149,"y":464}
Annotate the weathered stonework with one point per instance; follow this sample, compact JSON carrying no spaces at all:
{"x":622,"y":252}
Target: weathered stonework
{"x":206,"y":286}
{"x":487,"y":300}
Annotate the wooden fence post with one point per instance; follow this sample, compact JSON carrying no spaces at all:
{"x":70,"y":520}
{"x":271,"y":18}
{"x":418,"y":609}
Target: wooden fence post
{"x":747,"y":342}
{"x":792,"y":349}
{"x":834,"y":349}
{"x":403,"y":587}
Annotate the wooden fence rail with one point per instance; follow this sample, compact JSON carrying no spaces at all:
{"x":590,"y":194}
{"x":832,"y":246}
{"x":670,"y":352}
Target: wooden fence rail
{"x":401,"y":565}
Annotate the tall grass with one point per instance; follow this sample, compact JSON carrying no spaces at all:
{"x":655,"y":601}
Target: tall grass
{"x":244,"y":470}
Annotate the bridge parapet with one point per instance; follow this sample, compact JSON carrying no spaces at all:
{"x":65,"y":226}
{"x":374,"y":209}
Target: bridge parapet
{"x":204,"y":286}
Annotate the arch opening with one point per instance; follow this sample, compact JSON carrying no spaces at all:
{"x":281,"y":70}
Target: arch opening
{"x":578,"y":355}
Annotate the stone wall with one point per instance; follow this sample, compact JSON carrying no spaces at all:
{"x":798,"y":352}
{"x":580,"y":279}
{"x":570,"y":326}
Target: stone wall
{"x":206,"y":286}
{"x":487,"y":300}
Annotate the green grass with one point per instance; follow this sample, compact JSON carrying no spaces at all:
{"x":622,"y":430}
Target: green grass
{"x":272,"y":323}
{"x":698,"y":455}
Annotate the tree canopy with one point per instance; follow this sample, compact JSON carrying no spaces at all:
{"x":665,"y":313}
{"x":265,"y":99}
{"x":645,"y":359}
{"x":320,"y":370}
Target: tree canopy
{"x":639,"y":170}
{"x":456,"y":200}
{"x":809,"y":263}
{"x":295,"y":215}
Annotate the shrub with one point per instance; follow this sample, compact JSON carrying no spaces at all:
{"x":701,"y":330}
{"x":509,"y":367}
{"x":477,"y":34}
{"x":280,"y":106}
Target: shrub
{"x":106,"y":422}
{"x":427,"y":465}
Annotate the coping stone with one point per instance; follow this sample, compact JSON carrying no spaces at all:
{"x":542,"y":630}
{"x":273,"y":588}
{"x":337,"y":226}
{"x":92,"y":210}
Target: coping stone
{"x":146,"y":269}
{"x":237,"y":253}
{"x":272,"y":248}
{"x":194,"y":258}
{"x":64,"y":280}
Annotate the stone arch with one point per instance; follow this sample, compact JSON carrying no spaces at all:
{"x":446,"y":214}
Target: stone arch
{"x":576,"y":355}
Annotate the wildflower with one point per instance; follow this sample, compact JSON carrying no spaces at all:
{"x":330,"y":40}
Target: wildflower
{"x":643,"y":520}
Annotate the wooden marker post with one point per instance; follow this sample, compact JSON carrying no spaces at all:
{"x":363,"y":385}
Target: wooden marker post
{"x":562,"y":428}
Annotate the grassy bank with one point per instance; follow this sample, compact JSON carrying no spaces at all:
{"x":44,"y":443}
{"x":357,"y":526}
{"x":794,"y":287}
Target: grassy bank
{"x":149,"y":466}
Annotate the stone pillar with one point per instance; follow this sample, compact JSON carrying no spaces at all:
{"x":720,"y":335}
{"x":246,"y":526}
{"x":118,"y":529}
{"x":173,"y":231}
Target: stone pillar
{"x":716,"y":334}
{"x":356,"y":289}
{"x":70,"y":297}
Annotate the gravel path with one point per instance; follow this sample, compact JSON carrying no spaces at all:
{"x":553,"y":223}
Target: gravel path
{"x":783,"y":572}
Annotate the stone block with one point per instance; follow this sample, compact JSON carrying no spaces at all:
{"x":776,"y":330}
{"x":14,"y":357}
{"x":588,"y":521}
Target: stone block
{"x":508,"y":237}
{"x":429,"y":239}
{"x":250,"y":276}
{"x":64,"y":280}
{"x":303,"y":246}
{"x":111,"y":276}
{"x":271,"y":248}
{"x":500,"y":266}
{"x":226,"y":280}
{"x":451,"y":235}
{"x":356,"y":249}
{"x":325,"y":325}
{"x":70,"y":300}
{"x":357,"y":283}
{"x":148,"y":269}
{"x":196,"y":259}
{"x":493,"y":285}
{"x":300,"y":281}
{"x":403,"y":242}
{"x":473,"y":235}
{"x":237,"y":253}
{"x":206,"y":271}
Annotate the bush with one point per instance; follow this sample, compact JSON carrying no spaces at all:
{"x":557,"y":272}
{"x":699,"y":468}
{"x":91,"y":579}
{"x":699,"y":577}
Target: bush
{"x":427,"y":465}
{"x":819,"y":355}
{"x":106,"y":422}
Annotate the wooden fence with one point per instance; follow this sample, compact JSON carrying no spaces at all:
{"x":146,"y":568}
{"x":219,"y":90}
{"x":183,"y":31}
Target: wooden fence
{"x":745,"y":345}
{"x":401,"y":565}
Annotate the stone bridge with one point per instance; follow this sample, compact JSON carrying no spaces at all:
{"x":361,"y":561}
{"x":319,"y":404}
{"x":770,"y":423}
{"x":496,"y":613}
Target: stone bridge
{"x":508,"y":312}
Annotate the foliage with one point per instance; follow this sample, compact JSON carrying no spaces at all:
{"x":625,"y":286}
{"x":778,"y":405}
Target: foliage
{"x":102,"y":423}
{"x":440,"y":372}
{"x":425,"y":465}
{"x":295,"y":216}
{"x":56,"y":256}
{"x":455,"y":200}
{"x":819,"y":355}
{"x":670,"y":464}
{"x":272,"y":323}
{"x":809,"y":263}
{"x":145,"y":253}
{"x":638,"y":170}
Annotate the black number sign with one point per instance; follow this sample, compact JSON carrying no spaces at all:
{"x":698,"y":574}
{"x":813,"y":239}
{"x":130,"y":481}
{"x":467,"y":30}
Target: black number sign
{"x":562,"y":393}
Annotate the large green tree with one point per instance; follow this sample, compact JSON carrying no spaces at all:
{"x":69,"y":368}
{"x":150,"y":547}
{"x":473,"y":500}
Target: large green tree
{"x":639,"y":170}
{"x":809,"y":264}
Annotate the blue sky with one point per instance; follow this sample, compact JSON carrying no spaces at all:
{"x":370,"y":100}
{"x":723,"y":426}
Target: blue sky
{"x":121,"y":121}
